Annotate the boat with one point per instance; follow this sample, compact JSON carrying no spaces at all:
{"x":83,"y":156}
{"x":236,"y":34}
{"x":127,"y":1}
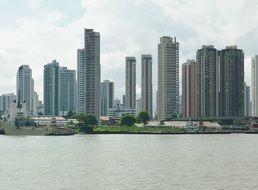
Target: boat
{"x":22,"y":125}
{"x":10,"y":128}
{"x":191,"y":126}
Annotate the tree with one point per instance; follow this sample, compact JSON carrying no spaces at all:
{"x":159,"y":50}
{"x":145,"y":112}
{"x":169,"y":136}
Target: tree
{"x":128,"y":120}
{"x":71,"y":115}
{"x":86,"y":120}
{"x":143,"y":117}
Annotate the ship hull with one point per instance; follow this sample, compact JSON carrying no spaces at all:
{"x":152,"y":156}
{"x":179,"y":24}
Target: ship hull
{"x":10,"y":129}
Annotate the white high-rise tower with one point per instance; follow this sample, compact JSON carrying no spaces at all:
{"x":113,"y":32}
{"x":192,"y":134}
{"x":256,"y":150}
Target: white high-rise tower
{"x":168,"y":78}
{"x":254,"y":85}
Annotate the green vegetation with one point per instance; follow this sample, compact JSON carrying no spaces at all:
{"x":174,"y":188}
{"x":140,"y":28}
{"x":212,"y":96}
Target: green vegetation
{"x":134,"y":129}
{"x":143,"y":117}
{"x":87,"y":119}
{"x":128,"y":120}
{"x":71,"y":115}
{"x":86,"y":122}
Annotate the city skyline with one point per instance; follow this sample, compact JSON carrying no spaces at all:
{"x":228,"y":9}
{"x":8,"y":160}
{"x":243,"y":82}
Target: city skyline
{"x":60,"y":27}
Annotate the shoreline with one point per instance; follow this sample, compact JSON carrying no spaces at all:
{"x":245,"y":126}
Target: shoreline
{"x":172,"y":133}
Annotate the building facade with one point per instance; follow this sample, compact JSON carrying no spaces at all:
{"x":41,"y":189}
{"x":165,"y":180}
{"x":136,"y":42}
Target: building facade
{"x":138,"y":106}
{"x":207,"y":81}
{"x":130,"y":83}
{"x":106,"y":97}
{"x":146,"y":84}
{"x":231,"y":85}
{"x":189,"y":89}
{"x":168,"y":78}
{"x":254,"y":85}
{"x":247,"y":101}
{"x":119,"y":111}
{"x":25,"y":87}
{"x":51,"y":88}
{"x":88,"y":73}
{"x":67,"y":90}
{"x":5,"y":101}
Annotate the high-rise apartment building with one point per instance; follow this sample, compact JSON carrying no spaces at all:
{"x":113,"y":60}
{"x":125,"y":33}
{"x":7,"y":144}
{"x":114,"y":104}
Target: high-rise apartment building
{"x":254,"y":85}
{"x":51,"y":88}
{"x":231,"y":77}
{"x":168,"y":78}
{"x":106,"y":97}
{"x":139,"y":106}
{"x":247,"y":101}
{"x":5,"y":101}
{"x":146,"y":87}
{"x":67,"y":90}
{"x":207,"y":81}
{"x":189,"y":89}
{"x":25,"y":87}
{"x":88,"y":73}
{"x":130,"y":83}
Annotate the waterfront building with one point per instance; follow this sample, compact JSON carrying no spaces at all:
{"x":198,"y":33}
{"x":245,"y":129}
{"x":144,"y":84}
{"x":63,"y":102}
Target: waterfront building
{"x":254,"y":85}
{"x":25,"y":87}
{"x":88,"y":73}
{"x":207,"y":81}
{"x":5,"y":101}
{"x":119,"y":111}
{"x":106,"y":97}
{"x":146,"y":87}
{"x":67,"y":90}
{"x":123,"y":100}
{"x":130,"y":83}
{"x":51,"y":88}
{"x":247,"y":101}
{"x":189,"y":89}
{"x":231,"y":77}
{"x":35,"y":102}
{"x":180,"y":106}
{"x":168,"y":78}
{"x":139,"y":106}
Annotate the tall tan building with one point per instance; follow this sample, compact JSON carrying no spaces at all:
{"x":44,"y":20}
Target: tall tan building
{"x":254,"y":86}
{"x":189,"y":89}
{"x":89,"y":74}
{"x":146,"y":88}
{"x":130,"y":83}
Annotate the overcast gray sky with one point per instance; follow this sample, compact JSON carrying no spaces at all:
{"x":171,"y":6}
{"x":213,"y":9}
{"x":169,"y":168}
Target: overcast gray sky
{"x":35,"y":32}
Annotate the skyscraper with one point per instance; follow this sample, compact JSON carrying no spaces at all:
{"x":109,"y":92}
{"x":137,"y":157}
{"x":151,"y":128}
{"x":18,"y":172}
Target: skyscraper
{"x":25,"y":87}
{"x":138,"y":106}
{"x":231,"y":77}
{"x":130,"y":83}
{"x":146,"y":88}
{"x":6,"y":100}
{"x":35,"y":103}
{"x":207,"y":81}
{"x":247,"y":101}
{"x":51,"y":88}
{"x":107,"y":96}
{"x":254,"y":85}
{"x":168,"y":78}
{"x":67,"y":90}
{"x":189,"y":89}
{"x":88,"y":72}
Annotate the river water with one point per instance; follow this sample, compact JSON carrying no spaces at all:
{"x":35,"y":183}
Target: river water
{"x":129,"y":162}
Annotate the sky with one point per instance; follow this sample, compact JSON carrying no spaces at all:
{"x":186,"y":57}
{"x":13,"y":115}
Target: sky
{"x":35,"y":32}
